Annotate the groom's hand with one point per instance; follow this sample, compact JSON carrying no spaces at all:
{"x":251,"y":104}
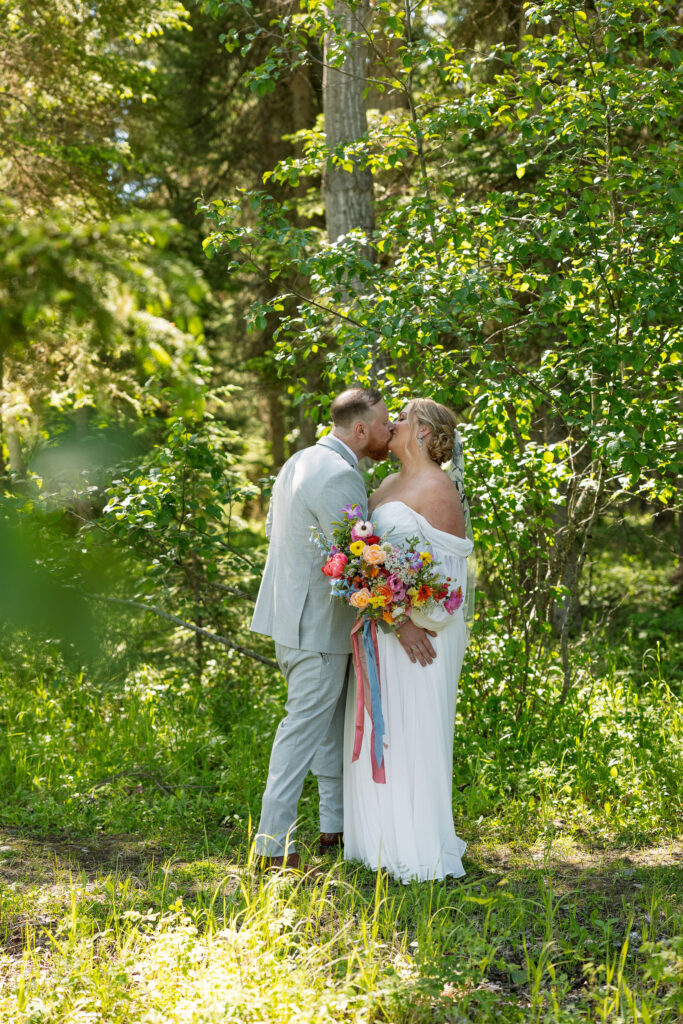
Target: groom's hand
{"x":416,"y":643}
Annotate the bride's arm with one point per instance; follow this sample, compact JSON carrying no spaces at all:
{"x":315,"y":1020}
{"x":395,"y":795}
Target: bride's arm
{"x":441,"y":506}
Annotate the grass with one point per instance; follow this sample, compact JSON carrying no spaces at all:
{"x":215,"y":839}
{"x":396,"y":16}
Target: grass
{"x":206,"y":938}
{"x":127,"y":890}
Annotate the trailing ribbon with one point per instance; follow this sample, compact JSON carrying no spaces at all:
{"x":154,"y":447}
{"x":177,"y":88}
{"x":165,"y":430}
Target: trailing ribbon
{"x":368,"y":694}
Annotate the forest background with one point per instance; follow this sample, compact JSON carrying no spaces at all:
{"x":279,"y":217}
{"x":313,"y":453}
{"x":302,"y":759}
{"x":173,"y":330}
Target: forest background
{"x":213,"y":218}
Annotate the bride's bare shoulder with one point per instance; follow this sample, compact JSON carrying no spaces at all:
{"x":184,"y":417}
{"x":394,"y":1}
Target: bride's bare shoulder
{"x":440,"y":504}
{"x":382,"y":492}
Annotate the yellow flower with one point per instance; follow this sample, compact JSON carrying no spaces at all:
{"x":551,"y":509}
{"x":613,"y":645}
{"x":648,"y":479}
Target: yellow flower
{"x":426,"y":557}
{"x":361,"y":598}
{"x":356,"y":548}
{"x":412,"y":591}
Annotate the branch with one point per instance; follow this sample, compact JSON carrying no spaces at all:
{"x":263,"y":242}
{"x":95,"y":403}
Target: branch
{"x":137,"y":772}
{"x":199,"y":630}
{"x":230,"y":590}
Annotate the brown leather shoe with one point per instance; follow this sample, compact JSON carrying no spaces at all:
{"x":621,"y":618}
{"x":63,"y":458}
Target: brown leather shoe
{"x":291,"y":862}
{"x":331,"y":842}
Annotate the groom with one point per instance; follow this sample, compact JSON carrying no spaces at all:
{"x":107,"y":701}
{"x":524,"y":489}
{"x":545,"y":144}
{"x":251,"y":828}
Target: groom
{"x":310,"y":630}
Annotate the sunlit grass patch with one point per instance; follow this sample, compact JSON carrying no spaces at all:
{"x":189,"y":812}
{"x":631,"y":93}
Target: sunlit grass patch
{"x":284,"y":950}
{"x":556,"y":941}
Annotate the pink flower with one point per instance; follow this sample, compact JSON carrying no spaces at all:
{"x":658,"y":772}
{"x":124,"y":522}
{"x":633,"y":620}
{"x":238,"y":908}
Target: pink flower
{"x":398,"y":586}
{"x":334,"y":566}
{"x":453,"y":601}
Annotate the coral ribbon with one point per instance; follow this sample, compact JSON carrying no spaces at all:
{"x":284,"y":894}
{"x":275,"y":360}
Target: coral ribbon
{"x":368,"y":694}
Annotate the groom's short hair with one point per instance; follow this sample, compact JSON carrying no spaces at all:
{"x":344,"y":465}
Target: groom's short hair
{"x":353,"y":405}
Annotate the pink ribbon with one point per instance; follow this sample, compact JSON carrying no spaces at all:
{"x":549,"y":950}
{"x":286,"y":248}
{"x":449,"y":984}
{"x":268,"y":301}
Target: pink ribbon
{"x":363,"y":698}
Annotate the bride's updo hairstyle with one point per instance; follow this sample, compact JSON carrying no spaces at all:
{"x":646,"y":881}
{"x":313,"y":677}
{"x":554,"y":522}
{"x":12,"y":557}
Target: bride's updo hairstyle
{"x":441,"y":422}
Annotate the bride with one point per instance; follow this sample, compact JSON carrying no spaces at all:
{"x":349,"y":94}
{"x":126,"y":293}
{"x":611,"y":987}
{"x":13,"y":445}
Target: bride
{"x":405,"y":826}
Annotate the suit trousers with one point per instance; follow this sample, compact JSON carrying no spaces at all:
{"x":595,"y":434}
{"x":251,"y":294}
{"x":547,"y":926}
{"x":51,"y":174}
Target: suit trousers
{"x":310,"y":736}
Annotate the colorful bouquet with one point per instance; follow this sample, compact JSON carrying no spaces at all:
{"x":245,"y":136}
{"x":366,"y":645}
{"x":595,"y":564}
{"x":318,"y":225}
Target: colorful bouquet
{"x":380,"y":579}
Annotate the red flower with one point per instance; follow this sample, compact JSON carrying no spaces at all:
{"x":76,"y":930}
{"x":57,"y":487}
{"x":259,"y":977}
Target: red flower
{"x":334,"y":566}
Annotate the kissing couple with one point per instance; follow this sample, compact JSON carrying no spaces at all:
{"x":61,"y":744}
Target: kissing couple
{"x":405,"y":824}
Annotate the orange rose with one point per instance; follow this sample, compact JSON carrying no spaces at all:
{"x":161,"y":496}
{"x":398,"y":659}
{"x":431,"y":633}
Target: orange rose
{"x":373,"y":554}
{"x":385,"y":592}
{"x":361,"y":598}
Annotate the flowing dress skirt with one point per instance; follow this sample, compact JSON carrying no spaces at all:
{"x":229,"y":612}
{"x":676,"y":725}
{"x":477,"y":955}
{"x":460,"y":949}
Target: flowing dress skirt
{"x":406,"y":825}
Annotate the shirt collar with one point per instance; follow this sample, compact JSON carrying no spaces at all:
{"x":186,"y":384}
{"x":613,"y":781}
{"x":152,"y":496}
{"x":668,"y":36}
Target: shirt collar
{"x":349,"y":450}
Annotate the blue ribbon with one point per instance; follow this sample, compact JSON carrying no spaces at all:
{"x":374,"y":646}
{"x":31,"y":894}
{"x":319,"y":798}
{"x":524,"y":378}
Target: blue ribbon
{"x":375,"y":694}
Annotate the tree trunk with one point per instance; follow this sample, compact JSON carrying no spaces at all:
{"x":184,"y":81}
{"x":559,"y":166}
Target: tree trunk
{"x":82,"y":505}
{"x":3,"y":466}
{"x":349,"y":200}
{"x":17,"y":465}
{"x":274,"y":417}
{"x":514,"y":24}
{"x":303,"y":109}
{"x":12,"y":438}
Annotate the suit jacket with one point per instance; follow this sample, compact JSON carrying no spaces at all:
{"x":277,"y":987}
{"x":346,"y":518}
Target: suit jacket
{"x":294,"y":603}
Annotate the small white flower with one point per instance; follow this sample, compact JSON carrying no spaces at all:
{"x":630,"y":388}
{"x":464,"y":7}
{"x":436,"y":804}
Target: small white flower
{"x":363,"y":529}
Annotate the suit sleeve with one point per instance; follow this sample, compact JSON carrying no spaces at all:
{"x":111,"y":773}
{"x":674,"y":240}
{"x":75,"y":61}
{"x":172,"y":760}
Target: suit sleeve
{"x":338,"y":490}
{"x":271,"y":507}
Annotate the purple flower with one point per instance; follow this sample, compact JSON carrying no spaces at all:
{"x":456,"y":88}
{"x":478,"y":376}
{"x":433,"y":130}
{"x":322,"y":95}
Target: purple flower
{"x":352,"y":511}
{"x":416,"y":561}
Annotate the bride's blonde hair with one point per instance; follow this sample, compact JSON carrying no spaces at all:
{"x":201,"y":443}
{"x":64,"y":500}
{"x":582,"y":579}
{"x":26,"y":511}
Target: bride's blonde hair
{"x":441,"y":422}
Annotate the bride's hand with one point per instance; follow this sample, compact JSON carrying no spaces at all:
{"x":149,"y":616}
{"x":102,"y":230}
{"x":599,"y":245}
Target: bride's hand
{"x":416,"y":643}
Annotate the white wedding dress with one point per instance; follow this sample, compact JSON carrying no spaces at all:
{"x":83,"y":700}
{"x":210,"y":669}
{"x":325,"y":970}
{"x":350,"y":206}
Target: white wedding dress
{"x":405,"y":826}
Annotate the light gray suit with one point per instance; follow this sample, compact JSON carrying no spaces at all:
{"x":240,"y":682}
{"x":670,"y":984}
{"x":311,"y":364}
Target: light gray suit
{"x":312,"y":637}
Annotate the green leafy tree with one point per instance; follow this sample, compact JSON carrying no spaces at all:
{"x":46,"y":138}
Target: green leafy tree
{"x":92,"y":308}
{"x":529,"y":255}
